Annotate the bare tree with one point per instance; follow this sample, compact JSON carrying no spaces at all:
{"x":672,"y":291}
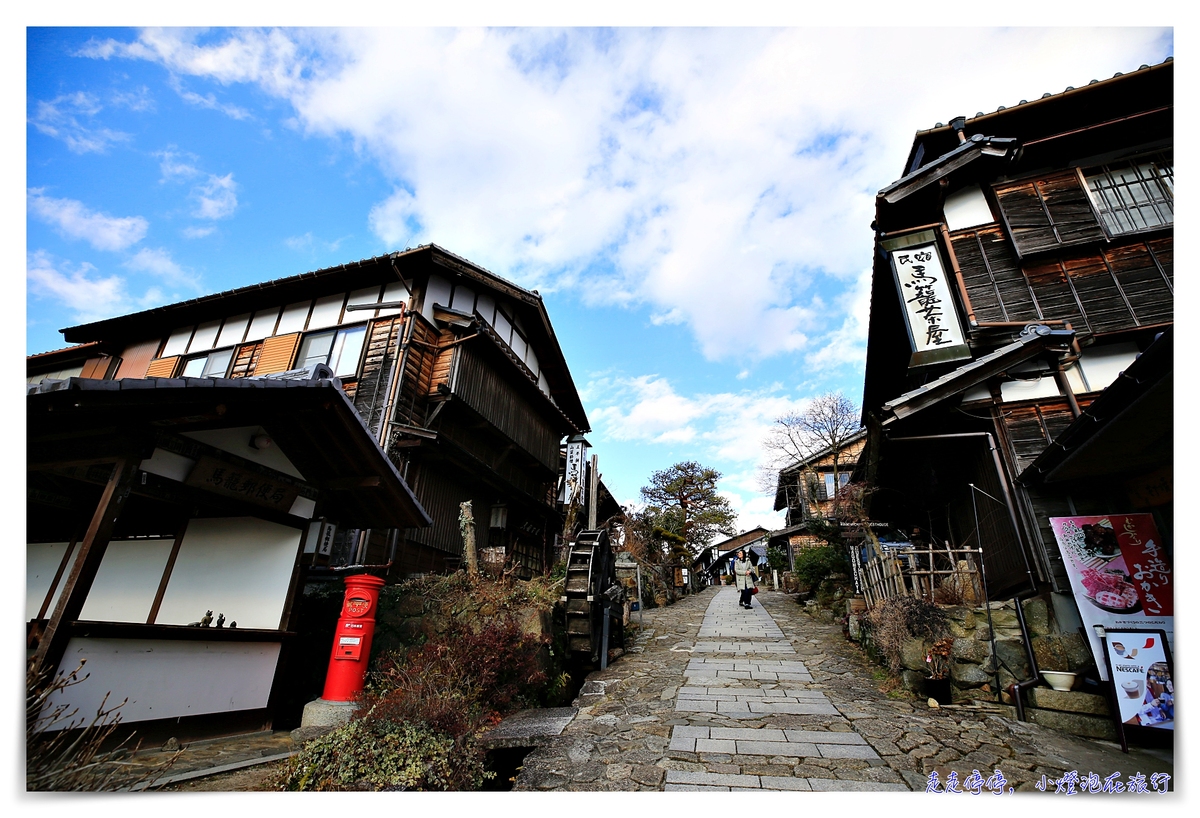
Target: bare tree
{"x":827,"y":425}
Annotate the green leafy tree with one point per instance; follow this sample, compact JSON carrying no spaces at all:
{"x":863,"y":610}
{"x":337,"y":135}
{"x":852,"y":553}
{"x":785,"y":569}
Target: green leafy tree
{"x":684,"y":508}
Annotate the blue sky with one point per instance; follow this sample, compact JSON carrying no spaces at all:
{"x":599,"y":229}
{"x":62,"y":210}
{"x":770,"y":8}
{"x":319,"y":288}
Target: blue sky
{"x":692,"y":203}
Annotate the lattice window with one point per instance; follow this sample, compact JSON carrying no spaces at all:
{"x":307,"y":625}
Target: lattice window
{"x":1135,"y":195}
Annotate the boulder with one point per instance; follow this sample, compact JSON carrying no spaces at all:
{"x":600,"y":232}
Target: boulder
{"x":1003,"y":615}
{"x":1037,"y":616}
{"x":1079,"y":652}
{"x":410,"y":605}
{"x":1051,"y":653}
{"x":1011,"y":655}
{"x":960,"y":614}
{"x":911,"y":680}
{"x":433,"y":625}
{"x":912,"y":655}
{"x":966,"y":674}
{"x":853,"y":628}
{"x":969,"y":650}
{"x":409,"y":630}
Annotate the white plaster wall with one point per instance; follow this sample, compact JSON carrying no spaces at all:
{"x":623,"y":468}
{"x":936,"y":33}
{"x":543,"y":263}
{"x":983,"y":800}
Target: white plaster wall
{"x":127,"y":581}
{"x":164,"y":678}
{"x":1102,"y":365}
{"x":238,"y":566}
{"x":168,"y":464}
{"x":967,"y":208}
{"x":41,"y":563}
{"x":236,"y":440}
{"x":437,"y":291}
{"x":1043,"y":387}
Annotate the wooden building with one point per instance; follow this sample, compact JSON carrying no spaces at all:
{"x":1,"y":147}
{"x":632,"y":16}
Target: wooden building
{"x":167,"y":519}
{"x":359,"y":405}
{"x":806,"y":488}
{"x":1023,"y":261}
{"x":455,"y":372}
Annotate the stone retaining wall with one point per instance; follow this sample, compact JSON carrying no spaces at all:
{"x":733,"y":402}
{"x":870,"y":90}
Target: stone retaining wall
{"x":975,"y":668}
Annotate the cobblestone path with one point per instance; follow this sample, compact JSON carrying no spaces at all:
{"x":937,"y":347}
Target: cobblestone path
{"x":711,"y":696}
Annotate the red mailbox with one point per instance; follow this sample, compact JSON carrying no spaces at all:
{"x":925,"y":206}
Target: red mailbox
{"x":352,"y":639}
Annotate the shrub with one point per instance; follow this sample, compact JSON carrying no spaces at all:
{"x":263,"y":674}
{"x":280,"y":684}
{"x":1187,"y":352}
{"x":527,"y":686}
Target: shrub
{"x":900,"y":618}
{"x":383,"y":754}
{"x":815,"y":565}
{"x":424,"y":706}
{"x":777,"y":558}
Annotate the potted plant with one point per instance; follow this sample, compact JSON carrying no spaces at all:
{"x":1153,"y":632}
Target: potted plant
{"x":937,"y":679}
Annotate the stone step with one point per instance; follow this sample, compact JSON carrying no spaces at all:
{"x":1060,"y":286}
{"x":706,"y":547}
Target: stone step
{"x":1068,"y":701}
{"x":1076,"y":724}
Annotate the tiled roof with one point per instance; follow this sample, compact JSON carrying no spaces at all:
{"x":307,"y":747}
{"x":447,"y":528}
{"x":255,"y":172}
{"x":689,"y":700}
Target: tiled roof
{"x":1047,"y":95}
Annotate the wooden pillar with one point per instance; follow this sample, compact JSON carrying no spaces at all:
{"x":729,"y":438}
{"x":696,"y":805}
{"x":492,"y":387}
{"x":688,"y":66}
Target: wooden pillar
{"x":53,"y":643}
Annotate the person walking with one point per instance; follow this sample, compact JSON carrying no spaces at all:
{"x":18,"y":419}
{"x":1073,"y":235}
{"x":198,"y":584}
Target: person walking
{"x":743,"y":578}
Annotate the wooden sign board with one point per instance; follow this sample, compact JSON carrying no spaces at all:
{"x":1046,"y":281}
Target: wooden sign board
{"x":220,"y":477}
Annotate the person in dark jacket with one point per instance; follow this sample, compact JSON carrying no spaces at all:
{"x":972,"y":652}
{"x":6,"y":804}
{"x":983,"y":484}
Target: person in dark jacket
{"x":743,"y":578}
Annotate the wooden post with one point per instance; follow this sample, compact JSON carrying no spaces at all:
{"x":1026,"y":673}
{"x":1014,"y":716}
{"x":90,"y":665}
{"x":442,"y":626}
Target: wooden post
{"x":53,"y":643}
{"x":466,"y":524}
{"x":593,"y":499}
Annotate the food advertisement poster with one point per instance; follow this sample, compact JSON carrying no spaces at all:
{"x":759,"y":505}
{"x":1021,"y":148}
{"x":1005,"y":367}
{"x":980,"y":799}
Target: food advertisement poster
{"x":1120,"y":574}
{"x":1142,"y":671}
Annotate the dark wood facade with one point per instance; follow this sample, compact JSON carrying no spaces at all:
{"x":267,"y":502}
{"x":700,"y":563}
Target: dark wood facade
{"x":456,"y":372}
{"x":1056,"y":213}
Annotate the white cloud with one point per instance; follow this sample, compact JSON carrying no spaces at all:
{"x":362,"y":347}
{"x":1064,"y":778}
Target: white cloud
{"x":198,"y":232}
{"x":215,"y":198}
{"x":89,"y":296}
{"x":60,"y":118}
{"x":209,"y":101}
{"x":158,"y":262}
{"x":138,"y":99}
{"x":308,"y":243}
{"x":718,"y":177}
{"x":74,"y":220}
{"x":728,"y":426}
{"x":176,"y":166}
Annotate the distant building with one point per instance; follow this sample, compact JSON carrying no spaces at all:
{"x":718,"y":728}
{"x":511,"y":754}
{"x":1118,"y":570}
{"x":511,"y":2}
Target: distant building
{"x":806,"y":488}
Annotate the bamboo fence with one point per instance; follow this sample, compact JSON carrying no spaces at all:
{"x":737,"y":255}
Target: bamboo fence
{"x":937,"y":573}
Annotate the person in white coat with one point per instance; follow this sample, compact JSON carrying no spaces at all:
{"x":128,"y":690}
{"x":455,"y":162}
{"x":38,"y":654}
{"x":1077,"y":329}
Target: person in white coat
{"x":743,"y":578}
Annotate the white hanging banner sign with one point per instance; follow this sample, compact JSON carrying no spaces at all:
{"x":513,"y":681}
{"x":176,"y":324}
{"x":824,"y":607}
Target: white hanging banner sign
{"x":573,"y":483}
{"x":934,"y":331}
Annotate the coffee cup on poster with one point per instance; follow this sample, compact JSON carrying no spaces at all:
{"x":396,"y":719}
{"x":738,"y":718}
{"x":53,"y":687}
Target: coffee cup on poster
{"x":1131,"y":689}
{"x":1119,"y":648}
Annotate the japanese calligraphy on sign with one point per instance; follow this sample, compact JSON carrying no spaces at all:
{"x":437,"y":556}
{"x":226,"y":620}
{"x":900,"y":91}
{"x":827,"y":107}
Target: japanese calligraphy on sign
{"x":573,"y":483}
{"x":1120,"y":573}
{"x":228,"y":480}
{"x":934,"y":330}
{"x":932,"y":321}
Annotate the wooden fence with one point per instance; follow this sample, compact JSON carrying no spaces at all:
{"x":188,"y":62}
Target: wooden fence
{"x":937,"y":573}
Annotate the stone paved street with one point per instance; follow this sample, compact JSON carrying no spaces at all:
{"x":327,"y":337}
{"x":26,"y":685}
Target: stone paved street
{"x":714,"y":697}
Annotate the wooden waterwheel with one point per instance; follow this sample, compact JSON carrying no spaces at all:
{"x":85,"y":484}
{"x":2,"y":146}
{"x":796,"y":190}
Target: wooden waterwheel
{"x":593,"y":595}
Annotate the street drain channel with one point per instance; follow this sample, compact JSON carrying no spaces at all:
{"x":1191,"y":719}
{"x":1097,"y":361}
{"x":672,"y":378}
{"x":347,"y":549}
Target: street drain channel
{"x":505,"y":762}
